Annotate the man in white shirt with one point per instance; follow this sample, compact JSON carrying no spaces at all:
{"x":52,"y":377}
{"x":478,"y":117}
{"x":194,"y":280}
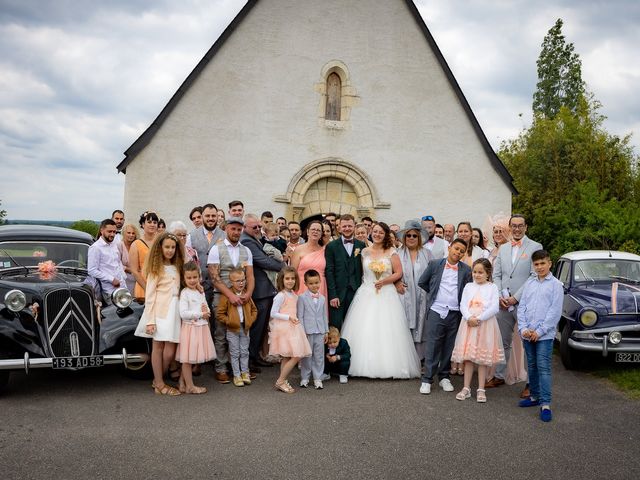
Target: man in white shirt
{"x":118,"y":217}
{"x":104,"y":263}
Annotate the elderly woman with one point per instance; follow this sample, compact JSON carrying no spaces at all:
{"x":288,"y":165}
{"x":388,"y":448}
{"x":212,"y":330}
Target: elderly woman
{"x":179,"y":229}
{"x":414,"y":258}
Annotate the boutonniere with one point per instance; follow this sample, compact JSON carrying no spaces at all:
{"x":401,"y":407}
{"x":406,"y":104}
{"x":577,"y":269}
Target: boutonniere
{"x":356,"y":252}
{"x":524,"y":255}
{"x":243,"y":265}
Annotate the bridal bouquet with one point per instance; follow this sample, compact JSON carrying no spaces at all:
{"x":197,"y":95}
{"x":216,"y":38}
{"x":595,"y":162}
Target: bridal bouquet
{"x":378,"y":267}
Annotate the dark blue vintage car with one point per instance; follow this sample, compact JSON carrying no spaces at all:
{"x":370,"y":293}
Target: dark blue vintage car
{"x":600,"y":311}
{"x":49,"y":317}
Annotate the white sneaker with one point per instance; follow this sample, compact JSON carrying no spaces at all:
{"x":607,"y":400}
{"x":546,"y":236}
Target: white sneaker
{"x":317,"y":384}
{"x":425,"y":388}
{"x":304,"y":383}
{"x":325,"y":377}
{"x":344,"y":379}
{"x":445,"y":383}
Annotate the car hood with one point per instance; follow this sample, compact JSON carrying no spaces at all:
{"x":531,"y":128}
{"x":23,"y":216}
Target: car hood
{"x":33,"y":279}
{"x":613,"y":298}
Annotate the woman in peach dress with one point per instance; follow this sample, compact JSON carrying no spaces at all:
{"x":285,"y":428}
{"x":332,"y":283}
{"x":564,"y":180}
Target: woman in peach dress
{"x":140,"y":249}
{"x":310,"y":256}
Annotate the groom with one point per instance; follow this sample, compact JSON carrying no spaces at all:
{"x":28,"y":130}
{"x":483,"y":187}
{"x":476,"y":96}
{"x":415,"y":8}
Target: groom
{"x":343,"y":270}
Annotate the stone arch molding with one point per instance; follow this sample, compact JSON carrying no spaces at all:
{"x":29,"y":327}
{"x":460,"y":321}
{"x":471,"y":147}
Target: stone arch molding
{"x":348,"y":98}
{"x":335,"y":170}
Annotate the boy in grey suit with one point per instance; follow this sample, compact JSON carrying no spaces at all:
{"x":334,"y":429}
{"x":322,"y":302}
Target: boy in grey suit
{"x":312,"y":313}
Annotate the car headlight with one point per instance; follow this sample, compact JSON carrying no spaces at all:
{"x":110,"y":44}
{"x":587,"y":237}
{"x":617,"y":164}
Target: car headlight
{"x":588,"y":318}
{"x":121,"y":297}
{"x":15,"y":300}
{"x":615,"y":338}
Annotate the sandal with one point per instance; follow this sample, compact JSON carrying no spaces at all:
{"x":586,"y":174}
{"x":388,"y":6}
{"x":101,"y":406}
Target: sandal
{"x":460,"y":371}
{"x":463,"y":394}
{"x":481,"y":397}
{"x":166,"y":390}
{"x":284,"y":387}
{"x":196,"y":390}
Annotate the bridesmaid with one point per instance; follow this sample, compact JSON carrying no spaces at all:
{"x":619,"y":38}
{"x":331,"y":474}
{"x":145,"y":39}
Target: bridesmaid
{"x":310,"y":255}
{"x":129,"y":235}
{"x":140,"y":249}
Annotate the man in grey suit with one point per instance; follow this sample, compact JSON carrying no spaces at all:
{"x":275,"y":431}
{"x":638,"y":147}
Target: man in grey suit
{"x":443,"y":280}
{"x":511,"y":270}
{"x":263,"y":291}
{"x":202,"y":239}
{"x":436,"y":245}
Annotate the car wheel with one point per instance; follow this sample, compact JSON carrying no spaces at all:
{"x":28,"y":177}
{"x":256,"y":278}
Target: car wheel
{"x":571,"y":359}
{"x":139,"y":371}
{"x":4,"y":380}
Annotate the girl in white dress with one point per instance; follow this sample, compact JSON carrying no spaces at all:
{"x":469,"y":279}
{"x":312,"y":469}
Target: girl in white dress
{"x":478,"y":341}
{"x":161,"y":319}
{"x":376,"y":325}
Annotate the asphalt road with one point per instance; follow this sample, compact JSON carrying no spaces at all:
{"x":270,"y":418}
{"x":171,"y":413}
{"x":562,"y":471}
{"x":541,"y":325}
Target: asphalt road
{"x":97,"y":424}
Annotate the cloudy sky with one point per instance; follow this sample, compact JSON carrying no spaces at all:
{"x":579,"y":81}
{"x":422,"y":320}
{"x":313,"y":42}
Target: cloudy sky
{"x":80,"y":80}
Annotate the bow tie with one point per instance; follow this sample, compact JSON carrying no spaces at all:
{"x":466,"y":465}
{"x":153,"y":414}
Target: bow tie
{"x":315,"y":295}
{"x":516,"y":243}
{"x":452,"y":267}
{"x":347,"y":240}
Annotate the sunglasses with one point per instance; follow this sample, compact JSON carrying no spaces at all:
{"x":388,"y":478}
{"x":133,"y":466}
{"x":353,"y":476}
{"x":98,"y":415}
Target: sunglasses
{"x":411,"y":235}
{"x":428,"y":218}
{"x":255,"y":227}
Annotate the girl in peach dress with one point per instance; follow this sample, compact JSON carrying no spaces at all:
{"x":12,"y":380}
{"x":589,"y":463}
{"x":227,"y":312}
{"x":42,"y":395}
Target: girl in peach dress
{"x":478,"y":341}
{"x":287,"y":337}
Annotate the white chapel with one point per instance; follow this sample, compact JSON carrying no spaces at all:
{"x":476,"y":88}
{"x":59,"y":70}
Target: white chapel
{"x":303,"y":107}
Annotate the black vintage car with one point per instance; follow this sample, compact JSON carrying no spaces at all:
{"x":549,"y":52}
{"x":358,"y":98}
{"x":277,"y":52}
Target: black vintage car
{"x":601,"y":309}
{"x":49,"y":317}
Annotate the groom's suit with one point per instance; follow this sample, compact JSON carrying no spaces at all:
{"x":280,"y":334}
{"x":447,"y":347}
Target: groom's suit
{"x":439,"y":333}
{"x":343,"y":273}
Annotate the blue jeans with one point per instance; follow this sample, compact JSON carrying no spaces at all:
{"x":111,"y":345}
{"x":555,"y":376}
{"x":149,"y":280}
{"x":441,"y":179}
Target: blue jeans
{"x":539,"y":369}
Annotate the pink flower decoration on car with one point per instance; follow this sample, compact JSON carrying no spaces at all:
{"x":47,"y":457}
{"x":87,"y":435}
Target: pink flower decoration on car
{"x":47,"y":270}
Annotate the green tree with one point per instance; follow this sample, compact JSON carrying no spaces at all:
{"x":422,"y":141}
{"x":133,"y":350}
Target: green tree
{"x":3,"y":214}
{"x":559,"y":75}
{"x":88,"y":226}
{"x":578,"y":185}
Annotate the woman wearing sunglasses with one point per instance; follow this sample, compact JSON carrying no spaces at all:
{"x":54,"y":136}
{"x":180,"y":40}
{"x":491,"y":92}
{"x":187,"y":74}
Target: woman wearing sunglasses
{"x":414,"y":258}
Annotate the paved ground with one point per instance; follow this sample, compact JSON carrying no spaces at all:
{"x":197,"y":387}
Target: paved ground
{"x":97,"y":424}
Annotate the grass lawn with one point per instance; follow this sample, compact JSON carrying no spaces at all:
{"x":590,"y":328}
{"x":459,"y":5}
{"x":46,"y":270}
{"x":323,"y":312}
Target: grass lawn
{"x":625,"y":376}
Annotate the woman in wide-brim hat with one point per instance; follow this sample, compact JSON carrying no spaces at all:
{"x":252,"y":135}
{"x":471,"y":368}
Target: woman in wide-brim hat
{"x":414,"y":258}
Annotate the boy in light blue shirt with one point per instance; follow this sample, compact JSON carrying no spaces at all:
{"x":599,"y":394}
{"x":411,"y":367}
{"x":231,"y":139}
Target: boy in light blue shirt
{"x":539,"y":312}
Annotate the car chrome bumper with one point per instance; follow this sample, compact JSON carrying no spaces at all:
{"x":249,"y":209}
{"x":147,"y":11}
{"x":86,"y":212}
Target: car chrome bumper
{"x":28,"y":363}
{"x":597,"y":340}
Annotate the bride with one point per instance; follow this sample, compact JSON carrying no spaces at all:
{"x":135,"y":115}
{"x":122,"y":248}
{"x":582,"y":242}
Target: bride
{"x":375,"y":325}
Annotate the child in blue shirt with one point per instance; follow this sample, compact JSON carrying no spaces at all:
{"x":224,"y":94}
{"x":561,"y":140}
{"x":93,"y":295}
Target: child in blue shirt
{"x":539,"y":312}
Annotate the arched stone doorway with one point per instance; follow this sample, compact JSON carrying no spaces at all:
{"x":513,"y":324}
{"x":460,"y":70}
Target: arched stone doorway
{"x":330,"y":185}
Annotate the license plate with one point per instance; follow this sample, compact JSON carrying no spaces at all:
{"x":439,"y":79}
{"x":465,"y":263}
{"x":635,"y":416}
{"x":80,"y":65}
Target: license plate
{"x":628,"y":357}
{"x":78,"y":362}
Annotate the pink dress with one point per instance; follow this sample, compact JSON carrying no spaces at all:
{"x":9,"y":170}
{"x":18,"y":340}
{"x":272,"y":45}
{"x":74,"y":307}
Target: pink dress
{"x":196,"y":344}
{"x":286,"y":338}
{"x":481,"y":345}
{"x":313,"y":261}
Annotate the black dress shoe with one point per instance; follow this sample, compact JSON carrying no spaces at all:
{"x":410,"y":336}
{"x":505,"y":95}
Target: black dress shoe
{"x":262,"y":363}
{"x":254,"y":368}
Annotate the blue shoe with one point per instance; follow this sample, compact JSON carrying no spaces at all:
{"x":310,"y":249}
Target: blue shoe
{"x":545,"y":414}
{"x":529,"y":402}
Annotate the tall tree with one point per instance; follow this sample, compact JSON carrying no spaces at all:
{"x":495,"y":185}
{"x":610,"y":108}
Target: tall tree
{"x":3,"y":214}
{"x":559,"y":75}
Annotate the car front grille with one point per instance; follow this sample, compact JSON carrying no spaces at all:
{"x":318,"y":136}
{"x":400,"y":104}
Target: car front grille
{"x":70,"y":322}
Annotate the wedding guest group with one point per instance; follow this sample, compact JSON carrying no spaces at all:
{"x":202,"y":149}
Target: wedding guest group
{"x":359,"y":299}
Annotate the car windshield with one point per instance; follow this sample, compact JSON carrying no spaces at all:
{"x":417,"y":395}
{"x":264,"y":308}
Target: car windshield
{"x":30,"y":254}
{"x":609,"y":270}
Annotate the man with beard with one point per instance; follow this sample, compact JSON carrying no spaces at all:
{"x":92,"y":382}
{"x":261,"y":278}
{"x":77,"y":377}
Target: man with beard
{"x":103,"y":264}
{"x":437,"y":245}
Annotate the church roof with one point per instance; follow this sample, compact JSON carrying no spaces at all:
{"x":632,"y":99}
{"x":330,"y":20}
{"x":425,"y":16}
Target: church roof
{"x":149,"y":133}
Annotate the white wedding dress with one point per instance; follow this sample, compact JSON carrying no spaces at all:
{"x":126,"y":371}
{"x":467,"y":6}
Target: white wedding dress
{"x":377,"y":330}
